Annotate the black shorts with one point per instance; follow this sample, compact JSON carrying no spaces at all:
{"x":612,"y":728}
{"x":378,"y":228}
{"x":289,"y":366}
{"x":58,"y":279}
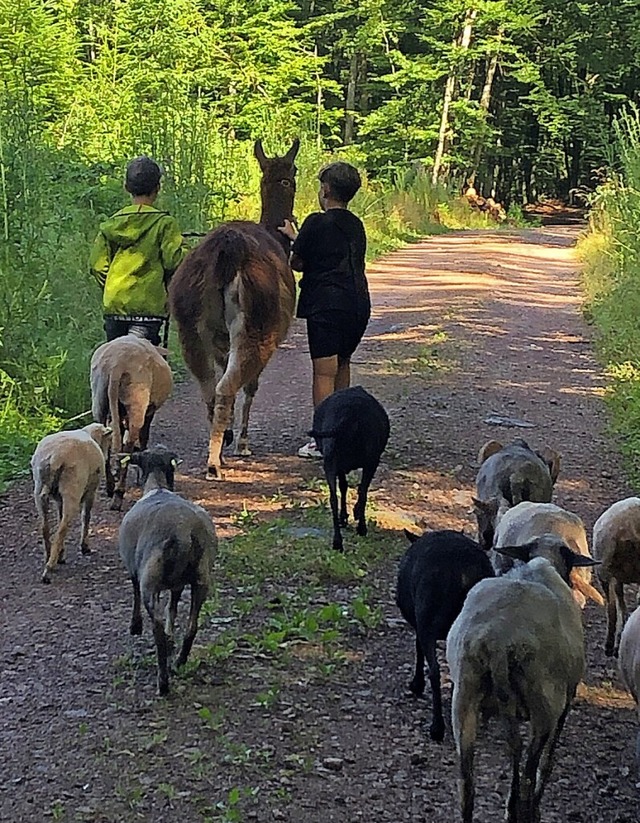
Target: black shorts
{"x":334,"y":334}
{"x":148,"y":328}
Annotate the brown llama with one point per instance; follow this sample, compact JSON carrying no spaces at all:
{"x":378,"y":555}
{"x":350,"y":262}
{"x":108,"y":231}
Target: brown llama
{"x":233,"y":298}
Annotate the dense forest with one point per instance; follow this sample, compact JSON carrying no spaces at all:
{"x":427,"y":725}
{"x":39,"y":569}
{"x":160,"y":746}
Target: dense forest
{"x":518,"y":97}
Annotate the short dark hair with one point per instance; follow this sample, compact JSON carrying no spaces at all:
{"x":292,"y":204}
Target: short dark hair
{"x":342,"y":180}
{"x":143,"y":176}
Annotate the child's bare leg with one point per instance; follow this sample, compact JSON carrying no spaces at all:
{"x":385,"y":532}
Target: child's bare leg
{"x":343,"y":377}
{"x":325,"y":371}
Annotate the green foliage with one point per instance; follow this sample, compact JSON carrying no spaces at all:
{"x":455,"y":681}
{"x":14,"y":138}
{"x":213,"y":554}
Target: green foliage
{"x":612,"y":262}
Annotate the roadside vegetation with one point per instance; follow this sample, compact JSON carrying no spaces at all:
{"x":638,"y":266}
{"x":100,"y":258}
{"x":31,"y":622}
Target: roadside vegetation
{"x":611,"y":256}
{"x":425,"y":98}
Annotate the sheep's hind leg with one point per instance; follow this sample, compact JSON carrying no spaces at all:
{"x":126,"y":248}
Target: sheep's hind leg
{"x":417,"y":684}
{"x":250,"y":390}
{"x":87,"y":505}
{"x":136,"y":617}
{"x":70,"y":508}
{"x":152,"y":606}
{"x":342,"y":481}
{"x":172,"y":612}
{"x":361,"y":503}
{"x":198,"y":596}
{"x":436,"y":730}
{"x":42,"y":505}
{"x":514,"y":740}
{"x":333,"y":500}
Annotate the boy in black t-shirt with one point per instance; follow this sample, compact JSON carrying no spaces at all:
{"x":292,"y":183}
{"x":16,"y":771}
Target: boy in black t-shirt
{"x":334,"y":296}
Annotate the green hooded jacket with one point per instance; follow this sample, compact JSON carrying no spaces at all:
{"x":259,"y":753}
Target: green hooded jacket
{"x":134,"y":255}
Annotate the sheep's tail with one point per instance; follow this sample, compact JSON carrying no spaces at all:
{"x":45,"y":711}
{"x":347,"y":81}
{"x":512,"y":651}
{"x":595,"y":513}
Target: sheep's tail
{"x":48,"y":480}
{"x":113,"y":392}
{"x":497,"y":666}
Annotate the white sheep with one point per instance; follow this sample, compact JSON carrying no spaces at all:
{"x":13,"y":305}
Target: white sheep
{"x":517,"y":651}
{"x":166,"y":543}
{"x":629,"y":663}
{"x":67,"y":467}
{"x":526,"y":521}
{"x":616,"y":542}
{"x":130,"y":380}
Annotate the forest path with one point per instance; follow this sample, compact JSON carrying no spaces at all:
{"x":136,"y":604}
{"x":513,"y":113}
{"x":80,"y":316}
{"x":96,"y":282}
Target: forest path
{"x":276,"y":720}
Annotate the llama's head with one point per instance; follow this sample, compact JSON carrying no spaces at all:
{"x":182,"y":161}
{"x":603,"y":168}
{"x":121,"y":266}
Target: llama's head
{"x":278,"y":186}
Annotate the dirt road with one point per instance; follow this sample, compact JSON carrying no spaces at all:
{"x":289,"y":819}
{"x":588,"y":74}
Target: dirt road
{"x":296,"y":706}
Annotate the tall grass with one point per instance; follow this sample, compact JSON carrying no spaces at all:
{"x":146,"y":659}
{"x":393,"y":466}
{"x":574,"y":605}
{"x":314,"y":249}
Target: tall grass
{"x":611,"y":255}
{"x":52,"y":201}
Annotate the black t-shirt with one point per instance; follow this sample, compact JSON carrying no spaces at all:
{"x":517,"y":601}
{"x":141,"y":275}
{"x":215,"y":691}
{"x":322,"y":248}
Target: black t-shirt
{"x":332,"y":246}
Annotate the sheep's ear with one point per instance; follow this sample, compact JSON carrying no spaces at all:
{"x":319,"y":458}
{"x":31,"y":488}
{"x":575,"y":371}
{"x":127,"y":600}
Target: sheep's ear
{"x":583,"y":560}
{"x":489,"y":448}
{"x":552,"y":459}
{"x":517,"y":552}
{"x":586,"y":589}
{"x":411,"y":537}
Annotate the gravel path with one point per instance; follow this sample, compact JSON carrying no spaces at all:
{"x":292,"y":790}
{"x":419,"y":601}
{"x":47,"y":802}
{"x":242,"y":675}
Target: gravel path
{"x":467,"y":326}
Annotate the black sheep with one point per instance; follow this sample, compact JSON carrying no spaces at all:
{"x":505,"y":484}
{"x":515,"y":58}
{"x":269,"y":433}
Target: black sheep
{"x":351,"y":429}
{"x":435,"y":575}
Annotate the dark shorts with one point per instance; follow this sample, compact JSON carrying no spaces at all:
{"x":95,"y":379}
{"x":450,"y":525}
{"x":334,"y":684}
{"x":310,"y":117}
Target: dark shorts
{"x":148,"y":328}
{"x":334,"y":334}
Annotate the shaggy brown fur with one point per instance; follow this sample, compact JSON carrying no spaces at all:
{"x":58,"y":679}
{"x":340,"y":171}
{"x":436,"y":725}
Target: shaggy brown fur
{"x":233,"y":299}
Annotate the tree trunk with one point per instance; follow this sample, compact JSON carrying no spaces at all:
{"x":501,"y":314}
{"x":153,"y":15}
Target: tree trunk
{"x":350,"y":102}
{"x":449,"y":91}
{"x":485,"y":102}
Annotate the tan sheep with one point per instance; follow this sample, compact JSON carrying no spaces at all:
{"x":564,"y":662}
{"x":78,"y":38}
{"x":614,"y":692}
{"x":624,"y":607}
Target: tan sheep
{"x":528,"y":521}
{"x":67,"y":467}
{"x":616,"y":542}
{"x":130,"y":380}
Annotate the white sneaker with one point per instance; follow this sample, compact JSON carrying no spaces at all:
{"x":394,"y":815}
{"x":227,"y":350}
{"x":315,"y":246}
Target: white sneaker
{"x":310,"y":449}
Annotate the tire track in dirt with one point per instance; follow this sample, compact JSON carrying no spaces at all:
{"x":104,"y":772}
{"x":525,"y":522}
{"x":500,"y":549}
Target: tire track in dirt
{"x":465,"y":325}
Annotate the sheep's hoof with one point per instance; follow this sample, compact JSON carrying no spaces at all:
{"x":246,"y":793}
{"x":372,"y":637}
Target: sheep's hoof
{"x":362,"y":529}
{"x":227,"y":440}
{"x":610,"y":651}
{"x":85,"y":549}
{"x":136,"y":628}
{"x":62,"y":561}
{"x":214,"y":473}
{"x":116,"y":503}
{"x":243,"y":449}
{"x":337,"y":546}
{"x":163,"y":688}
{"x":45,"y":576}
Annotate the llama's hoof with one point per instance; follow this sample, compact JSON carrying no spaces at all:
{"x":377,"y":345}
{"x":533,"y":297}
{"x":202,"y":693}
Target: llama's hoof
{"x":213,"y":473}
{"x":436,"y":731}
{"x":227,"y":440}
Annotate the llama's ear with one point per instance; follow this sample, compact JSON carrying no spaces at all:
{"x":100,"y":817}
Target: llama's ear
{"x":259,"y":154}
{"x":290,"y":156}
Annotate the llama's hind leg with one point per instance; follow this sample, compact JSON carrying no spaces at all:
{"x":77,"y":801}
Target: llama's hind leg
{"x":249,"y":393}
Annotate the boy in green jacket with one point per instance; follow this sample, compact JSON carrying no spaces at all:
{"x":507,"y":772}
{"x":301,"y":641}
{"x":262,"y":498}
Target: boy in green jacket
{"x":134,"y":255}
